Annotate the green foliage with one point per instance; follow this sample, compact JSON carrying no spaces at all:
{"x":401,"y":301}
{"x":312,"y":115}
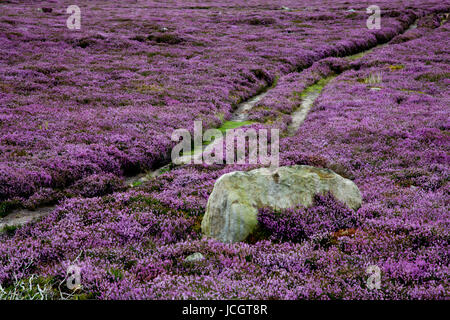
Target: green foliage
{"x":9,"y":230}
{"x":7,"y":206}
{"x":315,"y":88}
{"x":136,"y":183}
{"x":396,"y":67}
{"x":228,"y":125}
{"x":116,"y":274}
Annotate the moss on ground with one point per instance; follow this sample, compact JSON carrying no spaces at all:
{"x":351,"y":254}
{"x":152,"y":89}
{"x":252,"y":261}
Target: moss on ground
{"x":229,"y":125}
{"x":315,"y":88}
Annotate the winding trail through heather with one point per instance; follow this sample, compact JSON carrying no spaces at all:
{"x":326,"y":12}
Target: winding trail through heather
{"x":23,"y":216}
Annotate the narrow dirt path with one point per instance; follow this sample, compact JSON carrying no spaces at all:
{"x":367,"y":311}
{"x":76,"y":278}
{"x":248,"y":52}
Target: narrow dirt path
{"x":23,"y":216}
{"x":300,"y":114}
{"x":241,"y":111}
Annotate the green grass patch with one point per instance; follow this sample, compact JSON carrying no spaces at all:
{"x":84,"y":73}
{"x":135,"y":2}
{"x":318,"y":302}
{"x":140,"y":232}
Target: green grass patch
{"x":136,"y":183}
{"x":7,"y":206}
{"x":116,"y":274}
{"x":396,"y":67}
{"x":9,"y":230}
{"x":221,"y":116}
{"x":412,"y":91}
{"x":315,"y":88}
{"x":358,"y":55}
{"x":229,"y":125}
{"x":165,"y":170}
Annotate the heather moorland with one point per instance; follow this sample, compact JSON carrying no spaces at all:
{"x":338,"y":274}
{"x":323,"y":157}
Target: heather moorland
{"x":86,"y":118}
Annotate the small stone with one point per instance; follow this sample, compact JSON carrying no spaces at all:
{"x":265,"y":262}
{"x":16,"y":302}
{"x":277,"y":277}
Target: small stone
{"x":195,"y":257}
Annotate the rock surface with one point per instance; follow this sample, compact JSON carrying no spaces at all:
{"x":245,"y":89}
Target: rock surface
{"x":231,"y":213}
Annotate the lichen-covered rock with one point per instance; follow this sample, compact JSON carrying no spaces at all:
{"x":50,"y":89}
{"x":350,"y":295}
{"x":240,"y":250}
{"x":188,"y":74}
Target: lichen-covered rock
{"x":231,"y":213}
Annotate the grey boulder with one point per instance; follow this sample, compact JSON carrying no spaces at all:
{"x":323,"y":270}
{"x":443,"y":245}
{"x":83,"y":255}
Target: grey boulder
{"x":232,"y":209}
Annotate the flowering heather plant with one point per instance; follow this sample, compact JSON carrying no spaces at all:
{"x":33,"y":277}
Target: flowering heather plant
{"x":97,"y":185}
{"x":325,"y":216}
{"x":81,"y":110}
